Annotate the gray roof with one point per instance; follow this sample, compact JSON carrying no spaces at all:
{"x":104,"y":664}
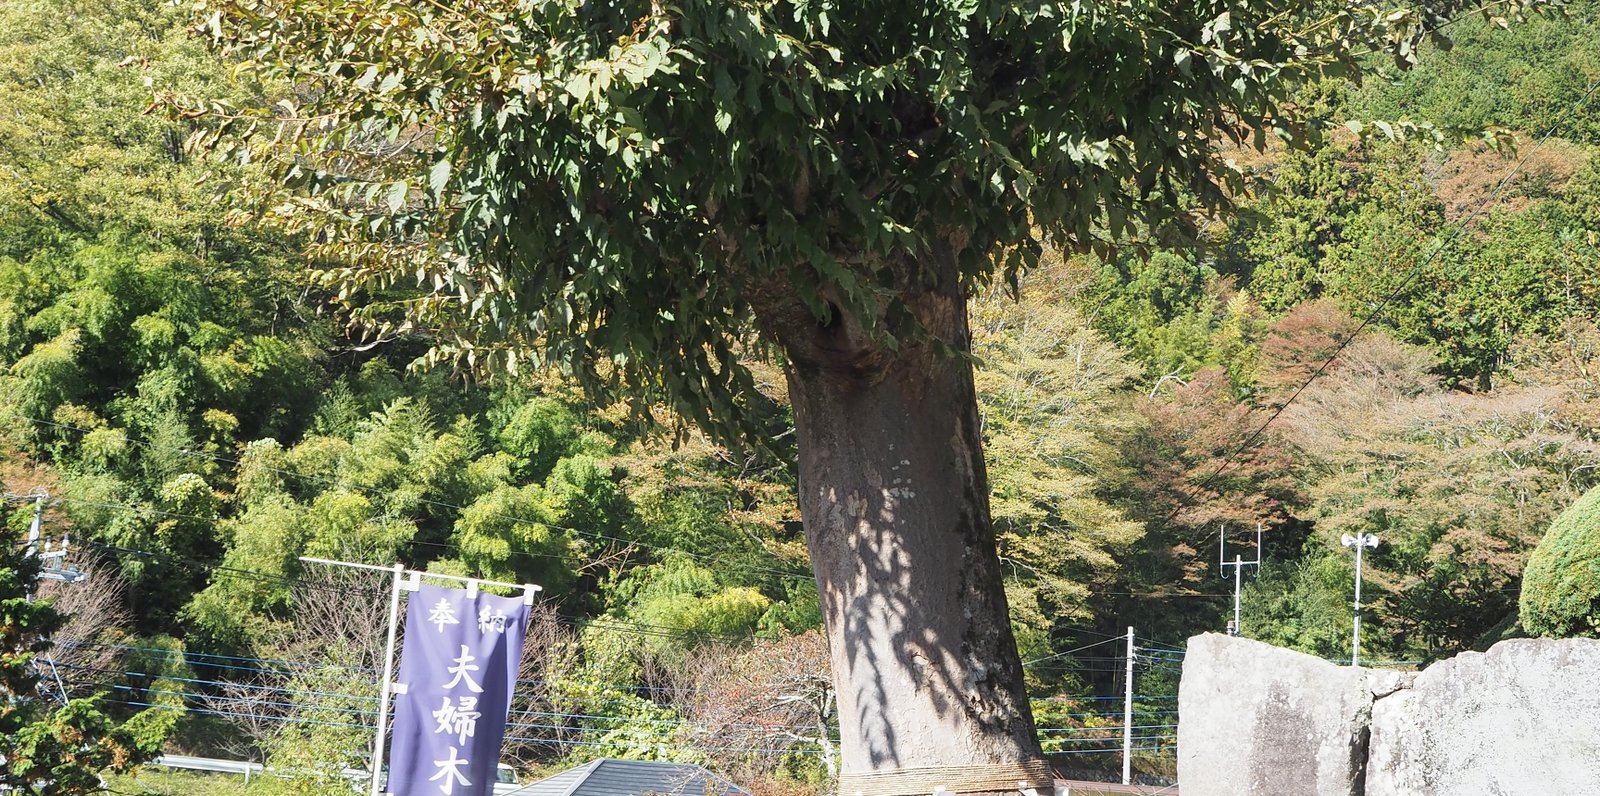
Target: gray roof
{"x":611,"y":777}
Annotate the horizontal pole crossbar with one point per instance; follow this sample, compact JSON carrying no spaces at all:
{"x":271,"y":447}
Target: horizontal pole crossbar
{"x":528,"y":587}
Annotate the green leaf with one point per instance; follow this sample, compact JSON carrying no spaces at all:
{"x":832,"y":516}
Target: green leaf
{"x":396,"y":198}
{"x":439,"y":177}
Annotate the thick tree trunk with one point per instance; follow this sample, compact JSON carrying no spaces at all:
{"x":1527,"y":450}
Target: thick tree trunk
{"x":893,"y":494}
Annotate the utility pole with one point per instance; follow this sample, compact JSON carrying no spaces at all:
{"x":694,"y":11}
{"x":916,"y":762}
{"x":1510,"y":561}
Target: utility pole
{"x":1360,"y":541}
{"x":1238,"y":563}
{"x":1127,"y":715}
{"x":52,"y":566}
{"x":38,"y":517}
{"x":52,"y":559}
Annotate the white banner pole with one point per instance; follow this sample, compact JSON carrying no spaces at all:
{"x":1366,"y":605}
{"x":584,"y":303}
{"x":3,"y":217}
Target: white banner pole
{"x":386,"y":689}
{"x":388,"y":682}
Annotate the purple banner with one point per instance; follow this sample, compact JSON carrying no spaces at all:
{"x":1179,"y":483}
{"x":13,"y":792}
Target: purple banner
{"x":458,"y":668}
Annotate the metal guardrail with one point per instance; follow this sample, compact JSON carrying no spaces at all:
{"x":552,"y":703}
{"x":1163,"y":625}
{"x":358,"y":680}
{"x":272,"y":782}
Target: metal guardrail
{"x":249,"y":769}
{"x":244,"y":767}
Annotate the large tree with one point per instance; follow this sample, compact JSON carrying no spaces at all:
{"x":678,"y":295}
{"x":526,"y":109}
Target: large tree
{"x":645,"y":193}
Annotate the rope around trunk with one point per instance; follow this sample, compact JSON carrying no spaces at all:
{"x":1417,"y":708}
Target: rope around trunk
{"x":955,"y":779}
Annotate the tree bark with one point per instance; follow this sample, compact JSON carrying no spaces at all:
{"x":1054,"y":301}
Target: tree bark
{"x":894,"y":498}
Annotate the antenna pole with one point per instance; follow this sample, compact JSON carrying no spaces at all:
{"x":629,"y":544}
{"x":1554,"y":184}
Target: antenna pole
{"x":1359,"y":541}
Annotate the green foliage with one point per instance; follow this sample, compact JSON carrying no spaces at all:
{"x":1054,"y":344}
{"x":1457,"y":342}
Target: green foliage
{"x":1361,"y":226}
{"x":680,"y":595}
{"x":737,"y":511}
{"x":631,"y":726}
{"x":1303,"y":604}
{"x":264,"y":541}
{"x":1561,"y":585}
{"x":155,"y":781}
{"x":510,"y":534}
{"x":1173,"y":313}
{"x":317,"y":745}
{"x":798,"y":611}
{"x":209,"y":429}
{"x":538,"y":435}
{"x":1339,"y":220}
{"x":62,"y":751}
{"x":1522,"y":77}
{"x":1049,"y":391}
{"x":852,"y":142}
{"x":407,"y":487}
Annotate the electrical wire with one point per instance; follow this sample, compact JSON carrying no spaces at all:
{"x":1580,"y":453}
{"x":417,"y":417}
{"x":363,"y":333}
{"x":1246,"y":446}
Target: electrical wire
{"x":182,"y":658}
{"x":1070,"y":652}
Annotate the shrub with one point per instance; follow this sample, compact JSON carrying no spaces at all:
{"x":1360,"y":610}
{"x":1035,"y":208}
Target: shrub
{"x":1561,"y":584}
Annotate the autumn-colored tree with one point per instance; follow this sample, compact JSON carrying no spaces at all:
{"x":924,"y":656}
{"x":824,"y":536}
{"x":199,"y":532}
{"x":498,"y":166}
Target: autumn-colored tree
{"x":1195,"y":477}
{"x":1458,"y":486}
{"x":755,"y":706}
{"x":1050,"y":389}
{"x":1298,"y":344}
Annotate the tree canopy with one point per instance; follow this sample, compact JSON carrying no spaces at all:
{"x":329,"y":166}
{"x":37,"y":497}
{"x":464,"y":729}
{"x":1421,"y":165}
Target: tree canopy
{"x":540,"y":170}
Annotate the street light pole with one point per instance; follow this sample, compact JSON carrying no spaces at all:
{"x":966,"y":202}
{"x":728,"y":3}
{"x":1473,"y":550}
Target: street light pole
{"x":1359,"y":542}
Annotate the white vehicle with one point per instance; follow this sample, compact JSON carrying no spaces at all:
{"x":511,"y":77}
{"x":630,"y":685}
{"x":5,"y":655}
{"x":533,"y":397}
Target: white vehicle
{"x":505,"y":780}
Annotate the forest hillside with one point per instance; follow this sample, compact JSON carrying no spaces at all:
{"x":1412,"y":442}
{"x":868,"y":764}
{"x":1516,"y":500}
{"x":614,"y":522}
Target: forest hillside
{"x":1388,"y":337}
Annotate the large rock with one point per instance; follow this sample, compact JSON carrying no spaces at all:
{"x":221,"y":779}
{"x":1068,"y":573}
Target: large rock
{"x":1522,"y":719}
{"x":1258,"y":719}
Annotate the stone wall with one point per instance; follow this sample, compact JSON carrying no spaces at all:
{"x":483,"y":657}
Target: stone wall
{"x":1523,"y":718}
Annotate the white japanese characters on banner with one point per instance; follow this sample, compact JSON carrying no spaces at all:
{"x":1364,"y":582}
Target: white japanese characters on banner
{"x":458,"y":669}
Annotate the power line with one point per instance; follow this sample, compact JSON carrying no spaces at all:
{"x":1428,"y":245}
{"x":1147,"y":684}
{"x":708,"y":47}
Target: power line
{"x":323,"y":706}
{"x":203,"y":566}
{"x":627,"y":722}
{"x":289,"y":676}
{"x":186,"y":655}
{"x":545,"y":741}
{"x":213,"y":708}
{"x":1071,"y":651}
